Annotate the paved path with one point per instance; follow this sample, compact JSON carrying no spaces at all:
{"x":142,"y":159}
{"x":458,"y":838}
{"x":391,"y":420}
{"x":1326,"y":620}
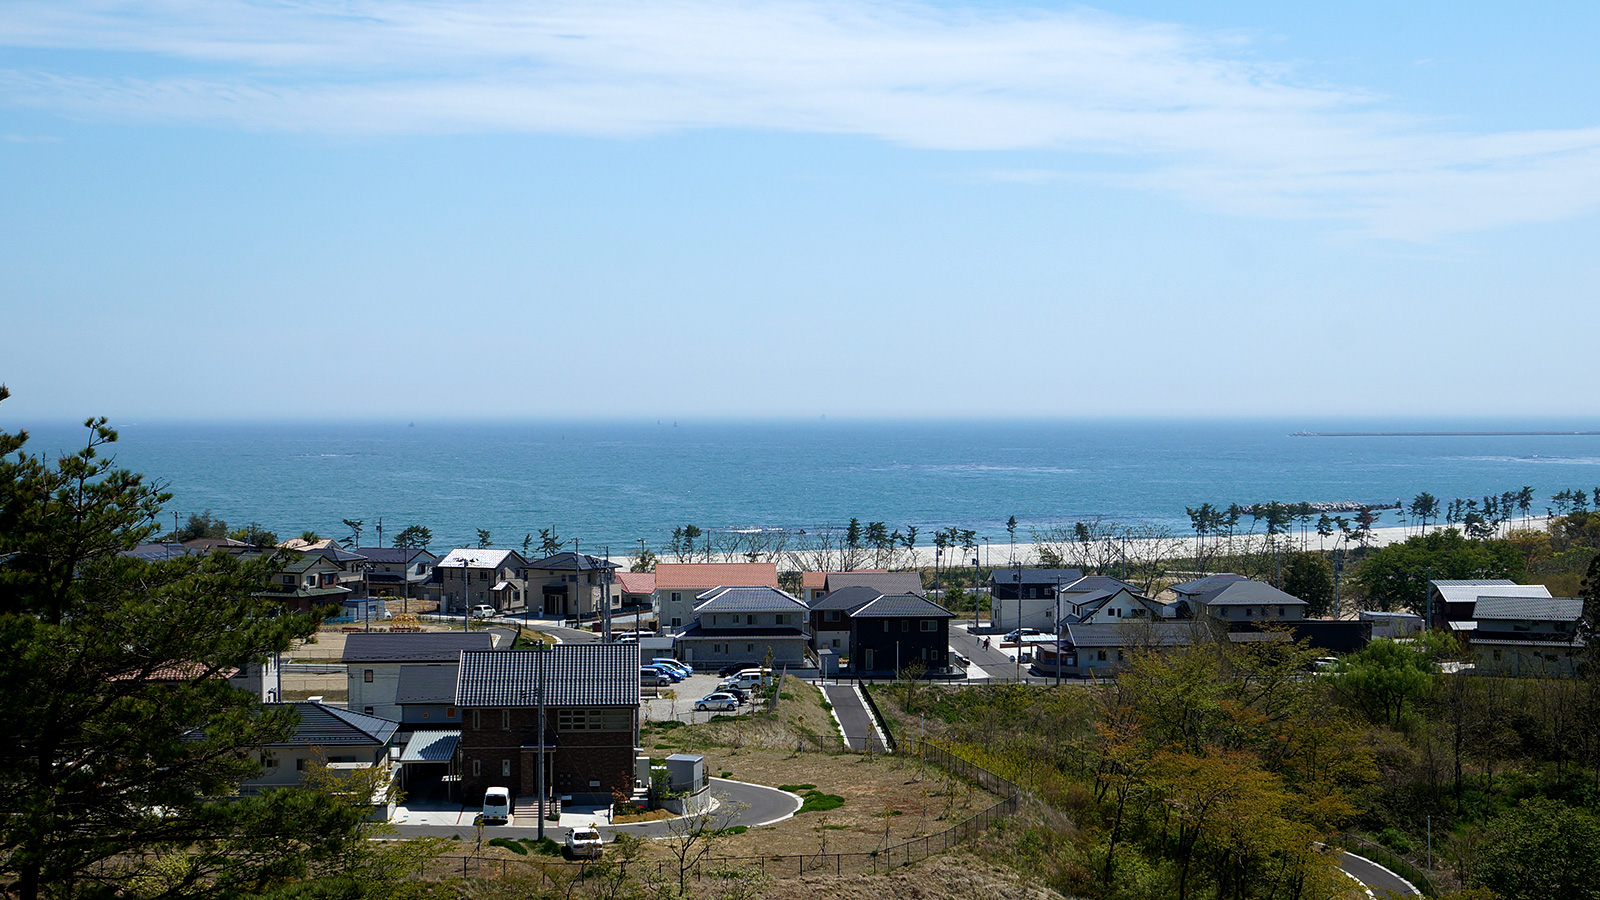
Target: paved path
{"x":855,"y":720}
{"x":1380,"y":881}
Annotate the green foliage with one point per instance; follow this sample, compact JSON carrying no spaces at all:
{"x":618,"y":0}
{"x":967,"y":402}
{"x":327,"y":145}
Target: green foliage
{"x":1396,"y":576}
{"x":414,"y":537}
{"x":509,"y":844}
{"x":1385,"y":680}
{"x":201,"y":526}
{"x":1309,"y":576}
{"x":817,"y":801}
{"x":255,"y":535}
{"x":1543,"y":850}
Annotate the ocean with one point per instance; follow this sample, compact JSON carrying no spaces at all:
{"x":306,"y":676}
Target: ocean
{"x":612,"y":484}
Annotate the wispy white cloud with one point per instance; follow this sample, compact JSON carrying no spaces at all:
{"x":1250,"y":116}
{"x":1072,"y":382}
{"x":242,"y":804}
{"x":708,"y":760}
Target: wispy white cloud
{"x":1192,"y":112}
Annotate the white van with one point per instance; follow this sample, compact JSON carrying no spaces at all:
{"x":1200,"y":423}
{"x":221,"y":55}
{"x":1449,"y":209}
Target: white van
{"x":749,"y":679}
{"x":496,"y":806}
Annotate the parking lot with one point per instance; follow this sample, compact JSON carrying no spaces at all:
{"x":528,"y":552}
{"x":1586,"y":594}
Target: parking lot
{"x":659,"y":708}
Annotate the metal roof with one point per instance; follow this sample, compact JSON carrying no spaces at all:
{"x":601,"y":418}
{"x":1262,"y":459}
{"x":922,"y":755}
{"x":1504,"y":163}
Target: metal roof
{"x":1470,"y":590}
{"x":1035,"y":576}
{"x":426,"y":646}
{"x":1091,"y":583}
{"x":158,"y":552}
{"x":1544,"y":609}
{"x":1251,"y":593}
{"x":847,"y":598}
{"x":1153,"y":634}
{"x":329,"y":726}
{"x":427,"y":684}
{"x":394,"y":555}
{"x":902,"y":606}
{"x":882,"y":582}
{"x":572,"y":562}
{"x":1207,"y":584}
{"x":430,"y":746}
{"x":573,"y":675}
{"x":747,"y":599}
{"x":474,"y":558}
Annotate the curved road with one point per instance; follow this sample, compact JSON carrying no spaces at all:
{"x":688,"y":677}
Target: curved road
{"x":754,"y":805}
{"x":1380,"y":881}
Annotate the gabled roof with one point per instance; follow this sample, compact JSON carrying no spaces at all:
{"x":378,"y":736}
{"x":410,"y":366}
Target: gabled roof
{"x":704,"y":576}
{"x":902,"y":606}
{"x":574,"y":675}
{"x":206,"y":545}
{"x":1469,"y":590}
{"x":427,"y":684}
{"x":882,"y":582}
{"x":158,"y":552}
{"x":1154,"y":634}
{"x":336,"y":553}
{"x":1539,"y":609}
{"x":426,"y":646}
{"x":329,"y":726}
{"x":1092,"y":583}
{"x":431,"y":746}
{"x":572,"y":562}
{"x":305,"y":562}
{"x":1251,"y":593}
{"x":395,"y":555}
{"x":636,"y":582}
{"x":747,"y":599}
{"x":474,"y":558}
{"x":1036,"y":576}
{"x":1206,"y":585}
{"x":847,"y":598}
{"x":302,"y":544}
{"x":1092,"y":602}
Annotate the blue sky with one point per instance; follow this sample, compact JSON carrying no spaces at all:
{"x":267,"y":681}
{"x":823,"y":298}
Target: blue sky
{"x":323,"y":209}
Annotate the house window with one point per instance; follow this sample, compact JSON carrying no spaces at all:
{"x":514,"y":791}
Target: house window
{"x":885,"y":624}
{"x":831,"y":615}
{"x":930,"y":624}
{"x":749,"y":648}
{"x":477,"y":720}
{"x":676,"y":621}
{"x":477,"y":767}
{"x":449,"y":712}
{"x":1100,"y":655}
{"x":781,"y":619}
{"x":288,"y":579}
{"x":505,"y":768}
{"x":505,"y":720}
{"x":676,"y":597}
{"x":1280,"y":612}
{"x":269,"y":759}
{"x":605,"y":719}
{"x":367,"y":710}
{"x":366,"y":676}
{"x":750,"y":619}
{"x":905,"y":625}
{"x":300,"y":764}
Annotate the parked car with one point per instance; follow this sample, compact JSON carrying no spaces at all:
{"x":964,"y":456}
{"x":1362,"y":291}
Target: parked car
{"x":484,"y":611}
{"x":666,"y":673}
{"x":584,"y":842}
{"x":496,"y":806}
{"x":1021,"y":633}
{"x":652,"y":678}
{"x":683,"y":669}
{"x":721,"y":700}
{"x":738,"y":693}
{"x":746,"y":680}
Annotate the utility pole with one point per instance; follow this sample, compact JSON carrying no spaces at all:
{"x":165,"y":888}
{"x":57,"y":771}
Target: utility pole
{"x":466,"y":608}
{"x":605,"y":598}
{"x":544,"y":652}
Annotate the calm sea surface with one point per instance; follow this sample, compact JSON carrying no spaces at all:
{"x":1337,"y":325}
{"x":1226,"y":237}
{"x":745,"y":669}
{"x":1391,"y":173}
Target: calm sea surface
{"x":614,"y":483}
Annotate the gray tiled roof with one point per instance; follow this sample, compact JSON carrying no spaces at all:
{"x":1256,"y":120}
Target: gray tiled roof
{"x":330,"y":726}
{"x":747,"y":599}
{"x":427,"y":646}
{"x":900,"y":606}
{"x":1090,"y":583}
{"x":1545,"y":609}
{"x":1206,"y":585}
{"x":882,"y":582}
{"x":572,"y":562}
{"x":394,"y":555}
{"x":847,"y":598}
{"x":427,"y":684}
{"x":1251,"y":593}
{"x":574,"y":675}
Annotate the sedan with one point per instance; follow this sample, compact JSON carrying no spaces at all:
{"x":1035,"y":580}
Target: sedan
{"x":722,"y":701}
{"x":1021,"y":633}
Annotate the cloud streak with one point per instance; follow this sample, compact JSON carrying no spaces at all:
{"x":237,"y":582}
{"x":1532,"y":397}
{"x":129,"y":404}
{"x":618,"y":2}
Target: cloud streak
{"x":1192,"y":113}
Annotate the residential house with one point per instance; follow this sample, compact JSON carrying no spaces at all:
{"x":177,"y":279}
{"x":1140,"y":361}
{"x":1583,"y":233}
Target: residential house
{"x":352,"y":567}
{"x":814,"y":585}
{"x":1229,"y":598}
{"x":1026,"y":598}
{"x":1523,"y":636}
{"x":573,"y":585}
{"x":880,"y":581}
{"x":408,"y":678}
{"x":637,"y":590}
{"x":679,"y":584}
{"x":344,"y":740}
{"x":1100,"y":600}
{"x":1456,"y":601}
{"x":895,"y":632}
{"x":745,"y":625}
{"x":305,"y":582}
{"x":1094,"y":649}
{"x":590,"y":730}
{"x":830,"y":617}
{"x":469,"y":577}
{"x":398,"y":572}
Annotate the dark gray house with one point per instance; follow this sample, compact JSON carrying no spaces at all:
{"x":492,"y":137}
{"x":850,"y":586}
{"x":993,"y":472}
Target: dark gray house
{"x":893,"y":632}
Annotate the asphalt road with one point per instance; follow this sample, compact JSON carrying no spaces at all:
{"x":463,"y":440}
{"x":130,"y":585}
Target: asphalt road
{"x":854,"y":717}
{"x":1381,"y":881}
{"x":750,"y":805}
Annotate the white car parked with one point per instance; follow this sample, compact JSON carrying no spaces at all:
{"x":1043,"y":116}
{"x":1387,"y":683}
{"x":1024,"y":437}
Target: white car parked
{"x":719,"y":701}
